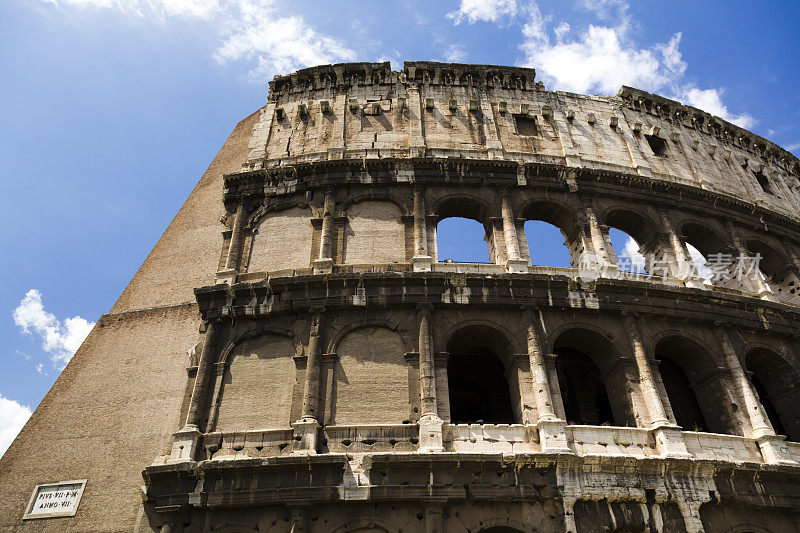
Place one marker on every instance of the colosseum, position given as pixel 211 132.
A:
pixel 295 355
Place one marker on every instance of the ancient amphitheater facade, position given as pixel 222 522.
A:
pixel 294 355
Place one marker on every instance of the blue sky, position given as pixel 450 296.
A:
pixel 112 109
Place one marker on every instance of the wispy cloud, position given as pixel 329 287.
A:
pixel 483 11
pixel 630 258
pixel 270 40
pixel 59 339
pixel 602 58
pixel 12 417
pixel 455 53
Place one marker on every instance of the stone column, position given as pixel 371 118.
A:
pixel 552 435
pixel 668 436
pixel 434 511
pixel 430 425
pixel 185 443
pixel 601 244
pixel 421 260
pixel 773 448
pixel 324 262
pixel 228 275
pixel 307 428
pixel 682 268
pixel 513 263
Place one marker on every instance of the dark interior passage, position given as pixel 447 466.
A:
pixel 769 407
pixel 582 389
pixel 478 389
pixel 684 403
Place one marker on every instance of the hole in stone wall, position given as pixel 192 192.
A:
pixel 681 397
pixel 657 144
pixel 526 125
pixel 546 244
pixel 582 389
pixel 764 182
pixel 476 376
pixel 461 239
pixel 627 250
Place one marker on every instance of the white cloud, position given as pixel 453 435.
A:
pixel 252 30
pixel 602 58
pixel 630 257
pixel 60 339
pixel 12 417
pixel 455 53
pixel 700 264
pixel 483 10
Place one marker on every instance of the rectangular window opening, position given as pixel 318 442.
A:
pixel 526 125
pixel 657 144
pixel 764 182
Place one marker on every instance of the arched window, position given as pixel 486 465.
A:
pixel 635 241
pixel 546 244
pixel 585 366
pixel 464 233
pixel 461 240
pixel 703 245
pixel 776 383
pixel 629 257
pixel 552 234
pixel 694 388
pixel 480 392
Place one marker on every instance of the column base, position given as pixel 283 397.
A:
pixel 422 263
pixel 306 435
pixel 323 266
pixel 768 296
pixel 430 434
pixel 553 436
pixel 185 445
pixel 517 266
pixel 669 442
pixel 227 276
pixel 774 450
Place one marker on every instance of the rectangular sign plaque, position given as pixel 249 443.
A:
pixel 50 500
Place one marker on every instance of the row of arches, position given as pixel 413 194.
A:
pixel 548 232
pixel 370 379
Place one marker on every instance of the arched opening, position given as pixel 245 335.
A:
pixel 775 381
pixel 771 263
pixel 634 239
pixel 629 257
pixel 461 240
pixel 681 396
pixel 696 393
pixel 477 377
pixel 500 529
pixel 552 235
pixel 583 356
pixel 704 244
pixel 463 233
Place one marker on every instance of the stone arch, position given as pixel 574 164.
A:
pixel 645 232
pixel 366 525
pixel 337 333
pixel 281 240
pixel 481 380
pixel 704 237
pixel 592 386
pixel 370 377
pixel 776 381
pixel 245 402
pixel 561 215
pixel 774 262
pixel 374 233
pixel 695 387
pixel 471 208
pixel 255 332
pixel 376 196
pixel 514 344
pixel 496 524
